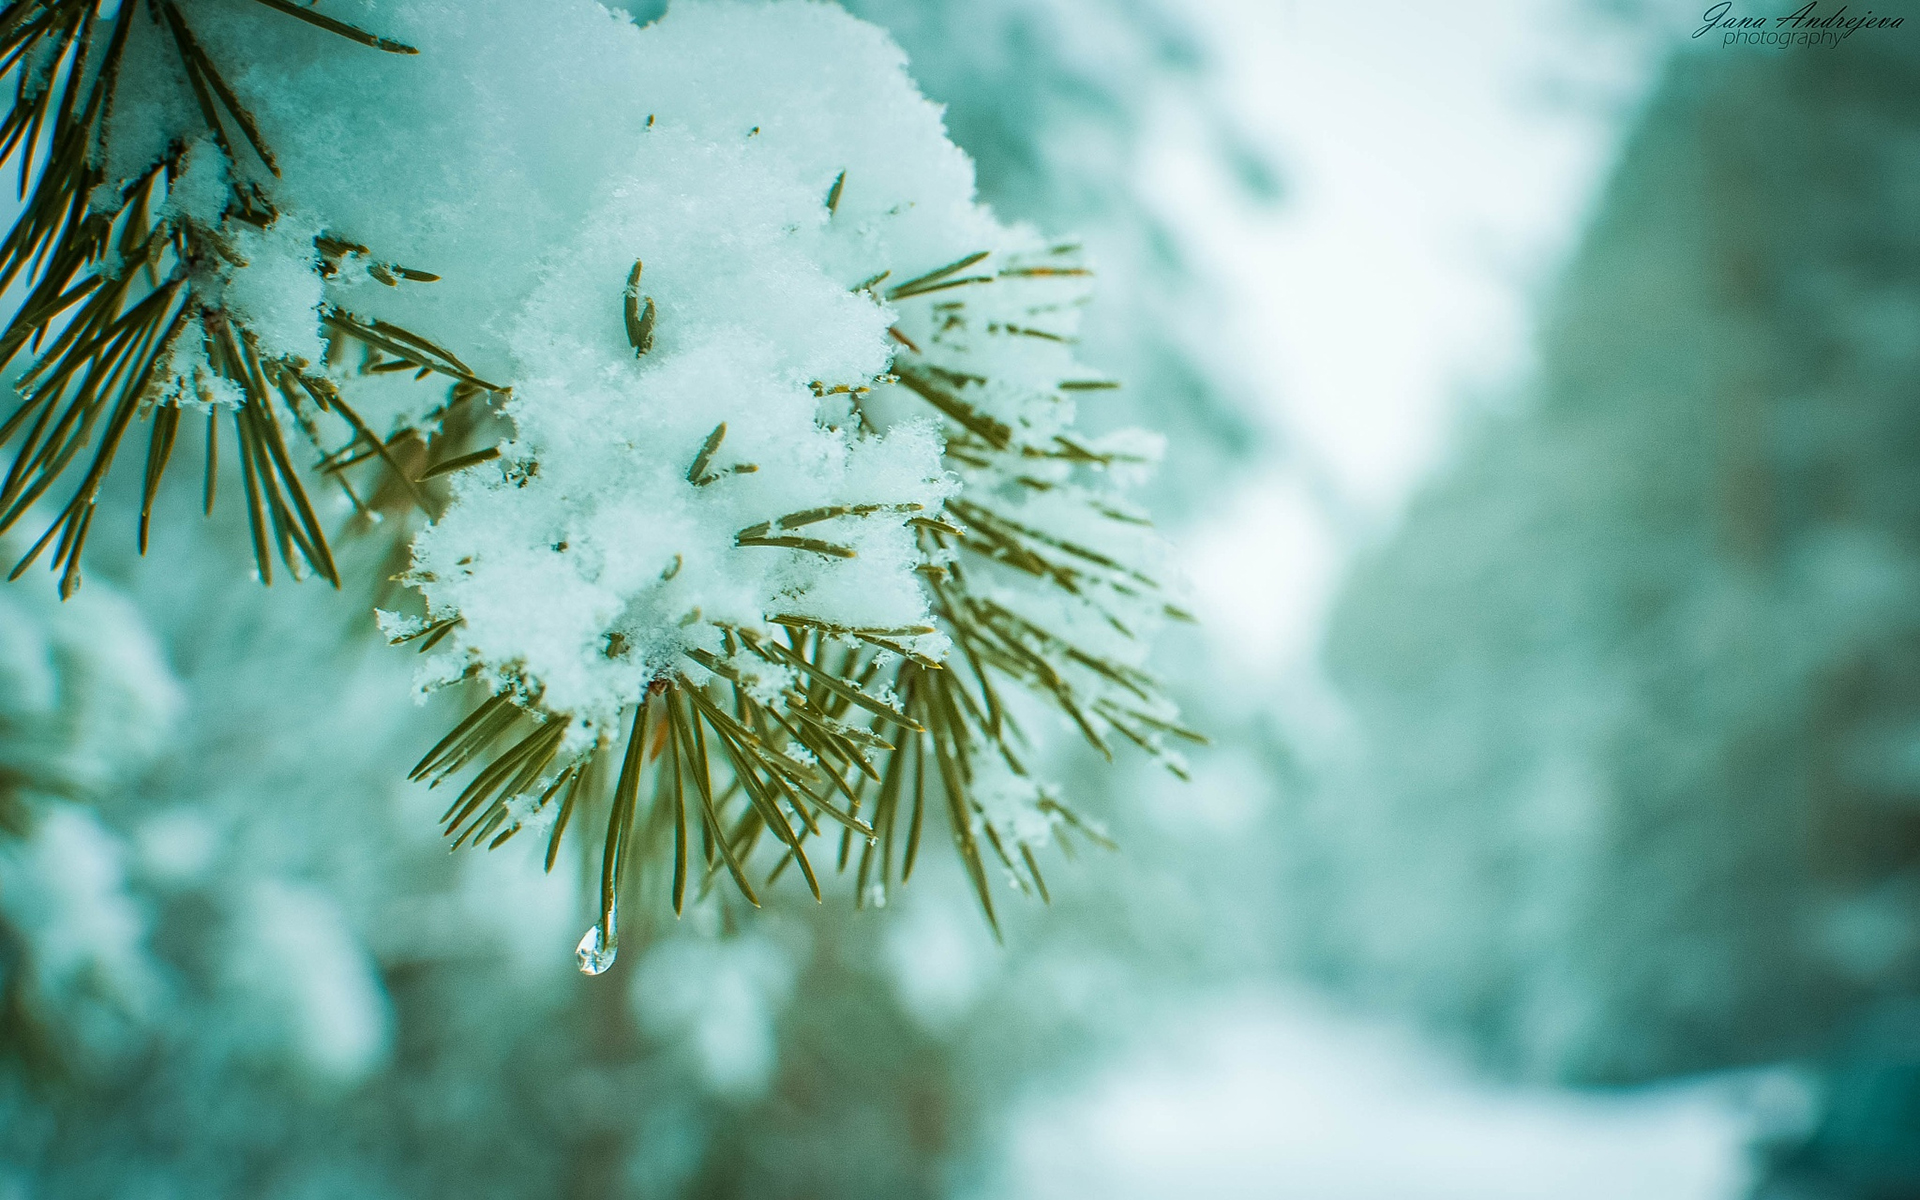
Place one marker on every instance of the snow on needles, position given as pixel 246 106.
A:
pixel 693 254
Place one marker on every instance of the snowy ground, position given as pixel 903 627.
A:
pixel 1276 1096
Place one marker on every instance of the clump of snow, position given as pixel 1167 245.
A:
pixel 198 190
pixel 191 382
pixel 719 1000
pixel 85 696
pixel 733 280
pixel 294 953
pixel 87 702
pixel 277 293
pixel 63 893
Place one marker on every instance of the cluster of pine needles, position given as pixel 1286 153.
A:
pixel 844 766
pixel 883 734
pixel 113 291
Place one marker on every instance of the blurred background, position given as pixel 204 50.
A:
pixel 1543 394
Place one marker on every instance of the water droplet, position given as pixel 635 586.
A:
pixel 877 895
pixel 596 950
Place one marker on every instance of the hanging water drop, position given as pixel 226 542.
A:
pixel 876 895
pixel 598 947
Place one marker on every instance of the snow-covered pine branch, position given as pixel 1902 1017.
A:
pixel 758 511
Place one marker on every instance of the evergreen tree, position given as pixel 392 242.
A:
pixel 283 948
pixel 601 568
pixel 1636 681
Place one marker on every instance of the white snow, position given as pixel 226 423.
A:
pixel 1275 1095
pixel 716 1001
pixel 563 171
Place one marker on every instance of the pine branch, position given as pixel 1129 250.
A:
pixel 121 288
pixel 871 734
pixel 799 727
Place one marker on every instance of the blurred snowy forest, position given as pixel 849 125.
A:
pixel 1613 778
pixel 1636 679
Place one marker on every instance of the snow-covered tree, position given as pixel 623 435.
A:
pixel 763 498
pixel 1637 684
pixel 254 922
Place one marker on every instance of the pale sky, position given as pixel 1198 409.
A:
pixel 1440 161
